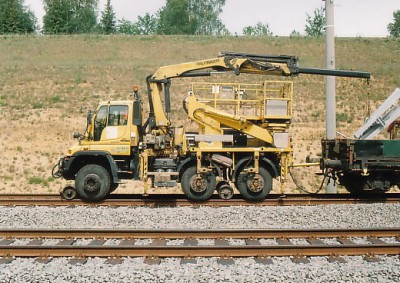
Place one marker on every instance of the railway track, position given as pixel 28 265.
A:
pixel 180 200
pixel 225 244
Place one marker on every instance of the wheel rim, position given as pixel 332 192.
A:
pixel 255 183
pixel 254 186
pixel 198 184
pixel 91 183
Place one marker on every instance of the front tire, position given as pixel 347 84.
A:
pixel 198 188
pixel 92 182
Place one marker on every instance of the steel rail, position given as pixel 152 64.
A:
pixel 199 251
pixel 180 200
pixel 197 234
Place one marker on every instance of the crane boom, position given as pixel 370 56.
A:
pixel 281 65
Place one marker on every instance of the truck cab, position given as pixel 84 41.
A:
pixel 106 152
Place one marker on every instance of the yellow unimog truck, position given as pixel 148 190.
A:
pixel 242 139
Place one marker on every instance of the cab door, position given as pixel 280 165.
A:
pixel 111 131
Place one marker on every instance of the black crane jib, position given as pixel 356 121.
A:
pixel 293 64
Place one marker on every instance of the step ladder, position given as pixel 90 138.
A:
pixel 386 114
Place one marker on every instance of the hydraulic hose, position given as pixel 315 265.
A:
pixel 299 187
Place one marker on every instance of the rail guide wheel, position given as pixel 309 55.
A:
pixel 225 191
pixel 69 192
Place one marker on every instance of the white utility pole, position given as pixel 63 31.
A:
pixel 330 86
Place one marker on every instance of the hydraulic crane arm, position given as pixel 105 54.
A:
pixel 238 63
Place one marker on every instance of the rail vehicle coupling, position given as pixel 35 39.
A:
pixel 57 170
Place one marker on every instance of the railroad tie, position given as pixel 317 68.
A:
pixel 263 260
pixel 35 242
pixel 372 258
pixel 226 260
pixel 77 260
pixel 113 260
pixel 252 242
pixel 66 242
pixel 127 242
pixel 221 242
pixel 97 242
pixel 6 242
pixel 300 259
pixel 376 241
pixel 314 241
pixel 190 242
pixel 283 241
pixel 43 259
pixel 336 258
pixel 188 260
pixel 152 260
pixel 158 242
pixel 346 241
pixel 6 259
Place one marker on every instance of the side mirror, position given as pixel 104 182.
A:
pixel 89 117
pixel 76 135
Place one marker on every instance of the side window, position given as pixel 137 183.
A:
pixel 100 122
pixel 118 116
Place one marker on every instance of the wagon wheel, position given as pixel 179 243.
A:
pixel 353 184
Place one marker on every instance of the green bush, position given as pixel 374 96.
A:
pixel 36 180
pixel 55 99
pixel 38 105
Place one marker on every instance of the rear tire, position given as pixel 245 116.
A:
pixel 92 182
pixel 198 189
pixel 254 187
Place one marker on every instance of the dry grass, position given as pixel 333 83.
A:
pixel 48 83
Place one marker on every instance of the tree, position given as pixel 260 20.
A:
pixel 174 18
pixel 294 33
pixel 16 18
pixel 84 16
pixel 57 17
pixel 107 22
pixel 191 17
pixel 316 25
pixel 126 27
pixel 146 24
pixel 259 29
pixel 394 28
pixel 70 16
pixel 205 14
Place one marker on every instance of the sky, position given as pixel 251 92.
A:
pixel 353 18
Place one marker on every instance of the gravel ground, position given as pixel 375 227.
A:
pixel 205 269
pixel 325 216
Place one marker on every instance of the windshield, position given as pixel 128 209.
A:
pixel 100 121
